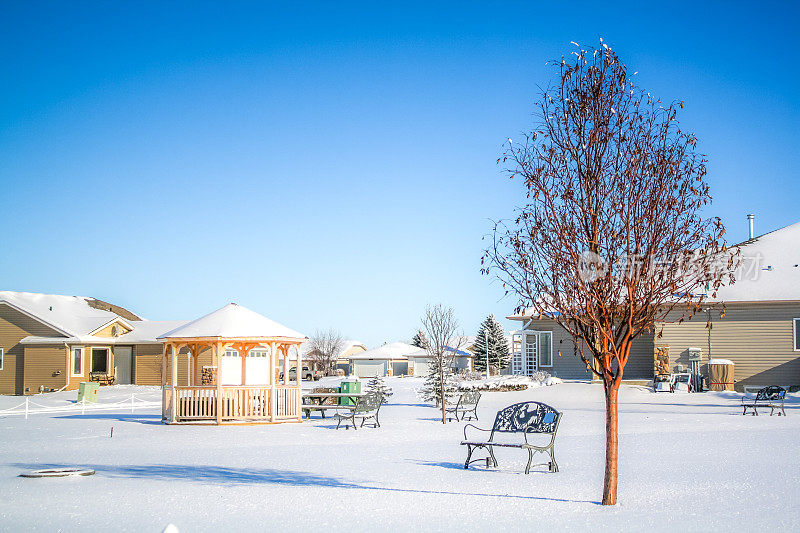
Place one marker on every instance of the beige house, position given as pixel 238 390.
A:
pixel 391 359
pixel 461 355
pixel 349 347
pixel 54 342
pixel 755 323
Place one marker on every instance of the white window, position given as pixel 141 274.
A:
pixel 796 324
pixel 546 349
pixel 1 359
pixel 76 366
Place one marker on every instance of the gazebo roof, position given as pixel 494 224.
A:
pixel 232 322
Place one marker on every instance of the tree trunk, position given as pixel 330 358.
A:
pixel 610 480
pixel 441 383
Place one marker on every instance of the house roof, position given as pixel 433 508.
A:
pixel 306 348
pixel 234 322
pixel 770 269
pixel 393 350
pixel 69 315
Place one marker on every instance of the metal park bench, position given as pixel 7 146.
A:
pixel 518 421
pixel 772 397
pixel 366 408
pixel 467 404
pixel 101 377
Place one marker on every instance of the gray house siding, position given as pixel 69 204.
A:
pixel 567 364
pixel 757 337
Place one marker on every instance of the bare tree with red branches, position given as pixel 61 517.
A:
pixel 612 236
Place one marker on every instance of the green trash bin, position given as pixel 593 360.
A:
pixel 87 392
pixel 349 385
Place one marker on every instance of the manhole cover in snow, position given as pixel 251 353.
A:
pixel 58 472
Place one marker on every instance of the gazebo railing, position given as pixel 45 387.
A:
pixel 251 402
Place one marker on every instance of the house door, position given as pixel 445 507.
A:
pixel 537 352
pixel 122 364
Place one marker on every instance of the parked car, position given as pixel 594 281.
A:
pixel 308 374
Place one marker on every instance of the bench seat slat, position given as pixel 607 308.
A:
pixel 505 445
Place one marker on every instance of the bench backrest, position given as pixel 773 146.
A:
pixel 369 402
pixel 772 392
pixel 526 417
pixel 470 398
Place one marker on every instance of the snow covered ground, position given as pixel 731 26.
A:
pixel 687 462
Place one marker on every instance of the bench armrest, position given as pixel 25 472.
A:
pixel 473 426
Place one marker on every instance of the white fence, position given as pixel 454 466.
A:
pixel 29 407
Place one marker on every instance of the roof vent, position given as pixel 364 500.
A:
pixel 751 217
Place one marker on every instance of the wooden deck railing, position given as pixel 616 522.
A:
pixel 252 402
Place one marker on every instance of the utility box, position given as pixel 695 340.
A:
pixel 87 392
pixel 349 385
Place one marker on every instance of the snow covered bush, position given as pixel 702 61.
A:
pixel 510 383
pixel 378 385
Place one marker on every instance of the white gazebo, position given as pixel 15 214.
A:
pixel 242 382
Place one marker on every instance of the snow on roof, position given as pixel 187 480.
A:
pixel 148 331
pixel 346 345
pixel 232 321
pixel 393 350
pixel 771 268
pixel 144 332
pixel 69 315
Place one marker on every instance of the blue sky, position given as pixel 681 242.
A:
pixel 333 165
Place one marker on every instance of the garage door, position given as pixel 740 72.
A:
pixel 231 372
pixel 369 369
pixel 421 366
pixel 257 369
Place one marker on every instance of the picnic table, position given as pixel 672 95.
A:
pixel 315 401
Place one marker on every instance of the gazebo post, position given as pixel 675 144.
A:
pixel 217 353
pixel 299 383
pixel 286 367
pixel 243 356
pixel 174 383
pixel 164 381
pixel 273 400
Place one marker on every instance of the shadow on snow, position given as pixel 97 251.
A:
pixel 241 476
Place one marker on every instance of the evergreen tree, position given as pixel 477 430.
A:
pixel 499 354
pixel 377 384
pixel 438 373
pixel 419 340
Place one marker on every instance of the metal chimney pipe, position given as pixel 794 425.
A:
pixel 750 218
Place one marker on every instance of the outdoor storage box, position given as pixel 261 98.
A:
pixel 87 391
pixel 349 386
